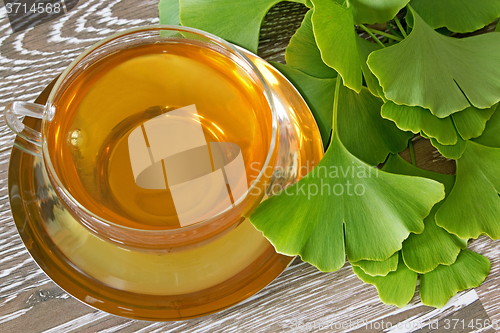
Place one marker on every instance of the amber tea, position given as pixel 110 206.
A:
pixel 160 136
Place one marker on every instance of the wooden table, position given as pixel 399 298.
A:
pixel 302 299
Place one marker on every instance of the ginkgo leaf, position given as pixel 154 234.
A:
pixel 378 268
pixel 363 131
pixel 333 21
pixel 434 246
pixel 471 122
pixel 449 151
pixel 318 93
pixel 169 12
pixel 303 54
pixel 396 164
pixel 438 286
pixel 490 136
pixel 376 210
pixel 307 218
pixel 417 119
pixel 236 21
pixel 473 206
pixel 333 26
pixel 366 47
pixel 391 226
pixel 371 12
pixel 439 73
pixel 457 15
pixel 396 288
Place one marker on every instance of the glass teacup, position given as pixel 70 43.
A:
pixel 159 138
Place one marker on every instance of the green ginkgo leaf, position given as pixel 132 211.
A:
pixel 439 73
pixel 333 26
pixel 366 47
pixel 333 21
pixel 363 131
pixel 450 151
pixel 318 93
pixel 436 287
pixel 308 218
pixel 371 12
pixel 378 268
pixel 471 122
pixel 303 54
pixel 490 136
pixel 457 15
pixel 417 119
pixel 434 246
pixel 236 21
pixel 169 12
pixel 473 206
pixel 396 288
pixel 469 271
pixel 311 217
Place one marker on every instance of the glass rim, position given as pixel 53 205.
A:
pixel 157 27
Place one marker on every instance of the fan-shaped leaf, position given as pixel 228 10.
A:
pixel 396 288
pixel 366 47
pixel 471 122
pixel 378 268
pixel 303 54
pixel 318 93
pixel 334 22
pixel 363 131
pixel 434 246
pixel 450 151
pixel 439 73
pixel 236 21
pixel 417 119
pixel 393 206
pixel 169 12
pixel 473 206
pixel 490 136
pixel 308 218
pixel 469 271
pixel 457 15
pixel 371 12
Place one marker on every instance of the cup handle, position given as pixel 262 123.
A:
pixel 31 136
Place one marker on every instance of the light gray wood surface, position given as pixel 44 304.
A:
pixel 302 299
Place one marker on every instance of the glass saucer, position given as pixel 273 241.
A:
pixel 149 286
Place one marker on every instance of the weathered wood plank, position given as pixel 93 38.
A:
pixel 302 296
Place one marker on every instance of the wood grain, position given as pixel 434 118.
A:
pixel 302 299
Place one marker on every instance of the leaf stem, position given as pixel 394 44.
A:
pixel 368 31
pixel 412 153
pixel 382 33
pixel 400 27
pixel 336 104
pixel 385 34
pixel 393 31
